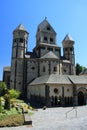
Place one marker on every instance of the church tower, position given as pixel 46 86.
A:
pixel 45 33
pixel 46 39
pixel 68 51
pixel 19 48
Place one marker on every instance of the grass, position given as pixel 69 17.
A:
pixel 11 120
pixel 30 113
pixel 14 117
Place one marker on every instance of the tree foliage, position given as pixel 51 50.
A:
pixel 10 95
pixel 79 69
pixel 0 105
pixel 3 88
pixel 13 93
pixel 7 103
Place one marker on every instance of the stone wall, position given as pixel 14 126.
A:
pixel 32 70
pixel 36 90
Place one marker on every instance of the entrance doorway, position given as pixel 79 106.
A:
pixel 81 98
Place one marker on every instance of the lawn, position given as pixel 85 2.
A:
pixel 14 116
pixel 11 108
pixel 11 118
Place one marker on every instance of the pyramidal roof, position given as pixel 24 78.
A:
pixel 68 38
pixel 44 24
pixel 49 55
pixel 21 27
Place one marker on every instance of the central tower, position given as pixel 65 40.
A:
pixel 46 39
pixel 45 33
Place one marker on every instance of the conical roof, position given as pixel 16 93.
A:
pixel 21 27
pixel 68 38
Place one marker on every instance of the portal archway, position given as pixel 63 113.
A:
pixel 81 99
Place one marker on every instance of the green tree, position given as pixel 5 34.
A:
pixel 10 95
pixel 3 88
pixel 79 69
pixel 7 102
pixel 13 93
pixel 0 105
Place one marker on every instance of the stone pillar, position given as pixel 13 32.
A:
pixel 48 100
pixel 63 102
pixel 75 96
pixel 85 98
pixel 75 100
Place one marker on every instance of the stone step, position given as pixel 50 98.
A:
pixel 27 119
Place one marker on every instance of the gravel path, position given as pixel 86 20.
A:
pixel 56 119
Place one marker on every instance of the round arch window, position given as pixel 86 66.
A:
pixel 55 90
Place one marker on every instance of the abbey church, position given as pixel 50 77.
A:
pixel 44 76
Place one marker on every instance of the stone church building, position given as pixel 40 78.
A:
pixel 44 76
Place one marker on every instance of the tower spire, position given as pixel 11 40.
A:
pixel 45 18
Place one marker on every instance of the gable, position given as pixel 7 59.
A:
pixel 45 26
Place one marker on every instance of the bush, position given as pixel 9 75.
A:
pixel 11 120
pixel 7 103
pixel 0 105
pixel 3 88
pixel 13 93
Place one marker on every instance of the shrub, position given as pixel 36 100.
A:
pixel 13 93
pixel 3 88
pixel 7 103
pixel 11 120
pixel 0 105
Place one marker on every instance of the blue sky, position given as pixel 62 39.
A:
pixel 65 16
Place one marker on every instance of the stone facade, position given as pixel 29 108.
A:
pixel 43 74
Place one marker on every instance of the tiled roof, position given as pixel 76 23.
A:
pixel 21 27
pixel 66 61
pixel 50 45
pixel 53 78
pixel 44 24
pixel 78 79
pixel 49 55
pixel 68 38
pixel 31 55
pixel 7 68
pixel 60 79
pixel 84 72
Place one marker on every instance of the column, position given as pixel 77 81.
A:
pixel 47 97
pixel 63 102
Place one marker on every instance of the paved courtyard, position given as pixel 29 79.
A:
pixel 68 118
